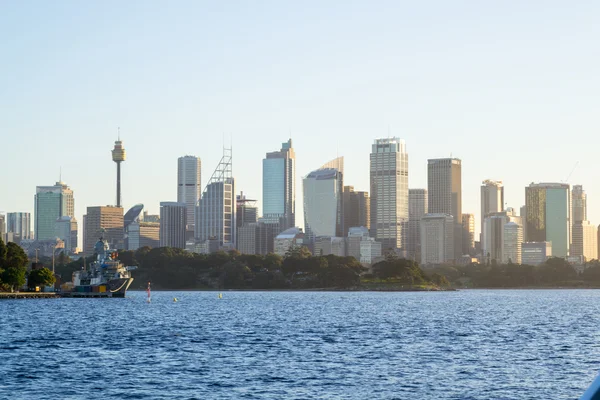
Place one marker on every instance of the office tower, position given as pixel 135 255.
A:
pixel 417 207
pixel 173 221
pixel 2 225
pixel 189 185
pixel 143 234
pixel 389 192
pixel 468 233
pixel 131 226
pixel 50 203
pixel 65 229
pixel 248 238
pixel 357 209
pixel 279 186
pixel 585 240
pixel 579 204
pixel 18 223
pixel 106 222
pixel 513 238
pixel 523 215
pixel 246 211
pixel 323 203
pixel 548 207
pixel 288 240
pixel 370 251
pixel 355 236
pixel 437 238
pixel 535 253
pixel 215 216
pixel 493 234
pixel 445 193
pixel 118 156
pixel 492 199
pixel 326 245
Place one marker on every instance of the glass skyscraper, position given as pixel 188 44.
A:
pixel 279 187
pixel 19 223
pixel 189 185
pixel 389 193
pixel 51 203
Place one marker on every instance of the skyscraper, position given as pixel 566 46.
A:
pixel 389 192
pixel 51 203
pixel 246 211
pixel 118 156
pixel 105 221
pixel 468 233
pixel 19 223
pixel 66 230
pixel 215 215
pixel 513 240
pixel 585 240
pixel 444 182
pixel 548 207
pixel 323 213
pixel 189 185
pixel 357 209
pixel 437 238
pixel 492 199
pixel 173 221
pixel 279 186
pixel 579 203
pixel 2 226
pixel 417 207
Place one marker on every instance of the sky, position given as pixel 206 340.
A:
pixel 511 88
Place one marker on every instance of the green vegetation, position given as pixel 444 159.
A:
pixel 171 268
pixel 40 277
pixel 556 272
pixel 13 266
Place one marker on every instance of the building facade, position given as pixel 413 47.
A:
pixel 323 206
pixel 326 245
pixel 189 174
pixel 579 204
pixel 370 251
pixel 279 186
pixel 492 199
pixel 173 223
pixel 105 221
pixel 437 239
pixel 585 240
pixel 535 253
pixel 288 240
pixel 355 236
pixel 548 207
pixel 246 211
pixel 417 207
pixel 66 230
pixel 389 193
pixel 513 239
pixel 444 184
pixel 357 209
pixel 51 203
pixel 468 233
pixel 19 223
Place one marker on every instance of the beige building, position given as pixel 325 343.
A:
pixel 513 239
pixel 357 209
pixel 437 239
pixel 468 233
pixel 106 221
pixel 585 240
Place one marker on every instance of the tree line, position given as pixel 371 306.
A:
pixel 13 269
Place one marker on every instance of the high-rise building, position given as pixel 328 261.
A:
pixel 579 204
pixel 444 182
pixel 143 234
pixel 326 245
pixel 437 238
pixel 248 237
pixel 65 229
pixel 19 223
pixel 492 199
pixel 105 221
pixel 468 233
pixel 2 225
pixel 493 234
pixel 51 203
pixel 323 206
pixel 355 236
pixel 173 222
pixel 370 250
pixel 246 211
pixel 513 239
pixel 357 209
pixel 279 186
pixel 189 185
pixel 118 156
pixel 548 207
pixel 417 207
pixel 215 215
pixel 585 240
pixel 535 253
pixel 389 193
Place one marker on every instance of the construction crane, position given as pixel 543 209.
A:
pixel 571 173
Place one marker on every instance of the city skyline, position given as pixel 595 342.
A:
pixel 513 84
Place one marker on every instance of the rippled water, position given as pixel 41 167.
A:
pixel 520 344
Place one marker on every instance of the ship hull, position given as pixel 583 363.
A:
pixel 112 288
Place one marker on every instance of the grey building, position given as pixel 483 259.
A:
pixel 417 207
pixel 51 203
pixel 437 239
pixel 492 199
pixel 389 193
pixel 535 253
pixel 323 205
pixel 444 183
pixel 357 209
pixel 19 223
pixel 189 174
pixel 173 222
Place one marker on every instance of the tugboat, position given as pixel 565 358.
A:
pixel 106 276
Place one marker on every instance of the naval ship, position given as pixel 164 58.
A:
pixel 105 277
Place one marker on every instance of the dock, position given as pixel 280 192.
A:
pixel 27 295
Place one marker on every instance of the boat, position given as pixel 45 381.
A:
pixel 105 277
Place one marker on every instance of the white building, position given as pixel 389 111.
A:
pixel 189 185
pixel 535 253
pixel 288 240
pixel 389 192
pixel 19 223
pixel 585 240
pixel 513 238
pixel 437 239
pixel 355 236
pixel 370 250
pixel 325 245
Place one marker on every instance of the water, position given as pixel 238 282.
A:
pixel 487 344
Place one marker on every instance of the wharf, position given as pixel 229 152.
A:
pixel 27 295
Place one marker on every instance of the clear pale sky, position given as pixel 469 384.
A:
pixel 512 88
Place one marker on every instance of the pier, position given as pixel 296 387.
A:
pixel 27 295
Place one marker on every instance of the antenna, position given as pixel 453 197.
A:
pixel 60 174
pixel 119 133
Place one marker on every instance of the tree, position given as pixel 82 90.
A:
pixel 2 253
pixel 14 277
pixel 15 257
pixel 40 277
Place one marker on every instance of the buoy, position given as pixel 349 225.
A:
pixel 174 299
pixel 220 295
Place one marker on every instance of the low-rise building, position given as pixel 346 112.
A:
pixel 535 253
